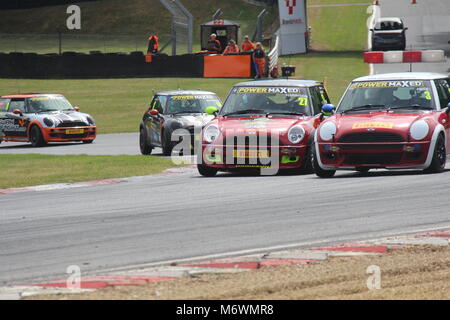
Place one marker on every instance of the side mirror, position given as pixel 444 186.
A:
pixel 76 109
pixel 448 109
pixel 371 30
pixel 328 109
pixel 18 112
pixel 211 110
pixel 154 112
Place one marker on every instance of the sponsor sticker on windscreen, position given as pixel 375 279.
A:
pixel 272 90
pixel 193 97
pixel 387 84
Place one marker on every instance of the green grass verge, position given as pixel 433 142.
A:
pixel 36 169
pixel 116 104
pixel 338 28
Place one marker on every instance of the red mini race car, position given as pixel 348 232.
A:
pixel 43 118
pixel 392 121
pixel 264 124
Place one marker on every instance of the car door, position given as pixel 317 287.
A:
pixel 443 90
pixel 11 124
pixel 154 122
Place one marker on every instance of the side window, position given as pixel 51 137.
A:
pixel 319 98
pixel 156 104
pixel 4 105
pixel 443 89
pixel 17 104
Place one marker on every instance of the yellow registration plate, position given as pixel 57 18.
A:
pixel 74 131
pixel 251 153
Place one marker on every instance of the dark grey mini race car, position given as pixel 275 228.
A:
pixel 172 110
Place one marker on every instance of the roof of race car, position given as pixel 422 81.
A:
pixel 29 95
pixel 278 83
pixel 396 19
pixel 184 92
pixel 403 76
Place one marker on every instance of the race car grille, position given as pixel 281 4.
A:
pixel 256 140
pixel 371 158
pixel 363 137
pixel 66 124
pixel 370 146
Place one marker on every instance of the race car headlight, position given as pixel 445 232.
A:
pixel 296 134
pixel 211 133
pixel 327 131
pixel 48 122
pixel 90 120
pixel 419 130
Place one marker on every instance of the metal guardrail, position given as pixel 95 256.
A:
pixel 273 55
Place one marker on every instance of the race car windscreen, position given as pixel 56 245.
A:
pixel 416 94
pixel 267 100
pixel 48 103
pixel 191 103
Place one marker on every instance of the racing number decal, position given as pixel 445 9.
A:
pixel 427 95
pixel 302 101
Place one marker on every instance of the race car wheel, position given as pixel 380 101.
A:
pixel 88 141
pixel 166 144
pixel 439 157
pixel 36 138
pixel 306 167
pixel 206 171
pixel 146 149
pixel 319 171
pixel 362 170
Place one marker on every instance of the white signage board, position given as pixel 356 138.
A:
pixel 292 26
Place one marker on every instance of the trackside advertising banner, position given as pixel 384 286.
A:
pixel 293 25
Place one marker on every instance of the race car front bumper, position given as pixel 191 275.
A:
pixel 69 134
pixel 242 156
pixel 373 155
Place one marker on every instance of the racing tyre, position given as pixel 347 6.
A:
pixel 88 141
pixel 166 144
pixel 306 167
pixel 362 170
pixel 319 171
pixel 206 171
pixel 439 157
pixel 36 138
pixel 146 149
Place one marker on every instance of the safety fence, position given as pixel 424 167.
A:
pixel 60 42
pixel 22 4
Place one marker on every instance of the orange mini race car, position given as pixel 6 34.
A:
pixel 43 118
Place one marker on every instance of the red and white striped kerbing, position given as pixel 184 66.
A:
pixel 411 56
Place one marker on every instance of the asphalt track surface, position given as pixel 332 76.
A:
pixel 162 218
pixel 428 24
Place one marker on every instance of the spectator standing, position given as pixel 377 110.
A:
pixel 247 45
pixel 213 46
pixel 259 58
pixel 153 46
pixel 231 47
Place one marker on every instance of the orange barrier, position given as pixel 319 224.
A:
pixel 232 66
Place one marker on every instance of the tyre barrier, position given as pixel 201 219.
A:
pixel 75 65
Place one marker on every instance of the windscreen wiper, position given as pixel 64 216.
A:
pixel 414 106
pixel 245 111
pixel 364 107
pixel 286 112
pixel 187 111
